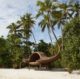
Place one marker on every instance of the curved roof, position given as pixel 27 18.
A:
pixel 38 58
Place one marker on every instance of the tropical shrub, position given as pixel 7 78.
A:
pixel 71 54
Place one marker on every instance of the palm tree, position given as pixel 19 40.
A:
pixel 13 28
pixel 30 23
pixel 26 23
pixel 58 14
pixel 45 24
pixel 60 17
pixel 44 7
pixel 64 15
pixel 45 10
pixel 75 7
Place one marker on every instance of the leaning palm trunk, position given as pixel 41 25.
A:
pixel 54 35
pixel 50 36
pixel 34 40
pixel 34 37
pixel 56 40
pixel 62 38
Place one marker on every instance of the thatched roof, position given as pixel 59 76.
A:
pixel 38 58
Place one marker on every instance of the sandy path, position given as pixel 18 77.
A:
pixel 32 74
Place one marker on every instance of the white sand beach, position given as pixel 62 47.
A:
pixel 36 74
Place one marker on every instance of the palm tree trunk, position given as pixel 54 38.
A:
pixel 56 40
pixel 50 36
pixel 34 40
pixel 62 38
pixel 49 29
pixel 34 37
pixel 54 35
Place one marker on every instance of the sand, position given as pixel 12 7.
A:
pixel 36 74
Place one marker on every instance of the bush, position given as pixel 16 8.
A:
pixel 70 57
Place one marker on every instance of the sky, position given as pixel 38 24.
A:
pixel 12 10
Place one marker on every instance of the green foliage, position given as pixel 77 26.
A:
pixel 43 47
pixel 71 53
pixel 4 53
pixel 2 45
pixel 15 49
pixel 18 39
pixel 27 50
pixel 56 64
pixel 26 23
